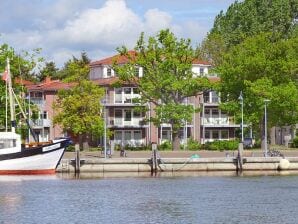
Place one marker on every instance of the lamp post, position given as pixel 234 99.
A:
pixel 241 102
pixel 265 146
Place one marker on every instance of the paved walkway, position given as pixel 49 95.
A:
pixel 179 154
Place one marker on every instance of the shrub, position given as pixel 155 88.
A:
pixel 222 145
pixel 165 146
pixel 193 145
pixel 295 142
pixel 70 148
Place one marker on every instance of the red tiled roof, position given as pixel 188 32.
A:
pixel 23 82
pixel 52 85
pixel 109 81
pixel 200 62
pixel 121 59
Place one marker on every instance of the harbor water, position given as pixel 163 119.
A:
pixel 147 199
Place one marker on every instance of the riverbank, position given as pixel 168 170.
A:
pixel 169 161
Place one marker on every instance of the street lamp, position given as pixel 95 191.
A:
pixel 241 102
pixel 265 147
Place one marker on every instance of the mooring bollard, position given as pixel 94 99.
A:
pixel 154 158
pixel 239 157
pixel 77 159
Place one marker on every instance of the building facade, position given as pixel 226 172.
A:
pixel 43 95
pixel 128 125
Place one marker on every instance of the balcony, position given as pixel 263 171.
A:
pixel 131 142
pixel 39 101
pixel 211 100
pixel 217 121
pixel 40 123
pixel 120 122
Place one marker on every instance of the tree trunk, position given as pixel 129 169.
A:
pixel 81 141
pixel 176 141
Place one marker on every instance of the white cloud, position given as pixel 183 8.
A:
pixel 66 28
pixel 156 20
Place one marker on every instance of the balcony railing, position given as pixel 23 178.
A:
pixel 207 99
pixel 37 100
pixel 40 123
pixel 136 122
pixel 217 121
pixel 131 142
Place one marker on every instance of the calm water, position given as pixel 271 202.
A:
pixel 192 199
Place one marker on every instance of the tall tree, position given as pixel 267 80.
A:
pixel 68 70
pixel 79 109
pixel 261 69
pixel 167 78
pixel 247 18
pixel 49 70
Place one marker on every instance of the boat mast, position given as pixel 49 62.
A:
pixel 11 99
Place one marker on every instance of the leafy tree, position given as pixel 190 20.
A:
pixel 248 18
pixel 49 70
pixel 21 66
pixel 79 107
pixel 71 65
pixel 167 80
pixel 261 69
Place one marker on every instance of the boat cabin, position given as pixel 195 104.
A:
pixel 9 142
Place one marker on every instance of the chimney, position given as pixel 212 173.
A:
pixel 48 79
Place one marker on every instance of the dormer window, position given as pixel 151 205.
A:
pixel 136 72
pixel 201 71
pixel 109 72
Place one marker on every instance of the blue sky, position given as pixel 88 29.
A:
pixel 63 28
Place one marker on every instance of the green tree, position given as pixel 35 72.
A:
pixel 261 69
pixel 79 108
pixel 248 18
pixel 21 66
pixel 49 70
pixel 70 67
pixel 167 78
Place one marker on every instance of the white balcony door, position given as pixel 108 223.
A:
pixel 128 137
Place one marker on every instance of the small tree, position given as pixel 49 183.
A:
pixel 79 109
pixel 167 78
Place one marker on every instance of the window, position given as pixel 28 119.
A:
pixel 109 72
pixel 127 90
pixel 127 115
pixel 7 143
pixel 215 98
pixel 118 95
pixel 201 71
pixel 207 111
pixel 136 71
pixel 166 134
pixel 127 135
pixel 215 134
pixel 45 115
pixel 215 112
pixel 224 134
pixel 118 113
pixel 118 135
pixel 137 135
pixel 207 134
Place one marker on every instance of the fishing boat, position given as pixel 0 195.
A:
pixel 31 158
